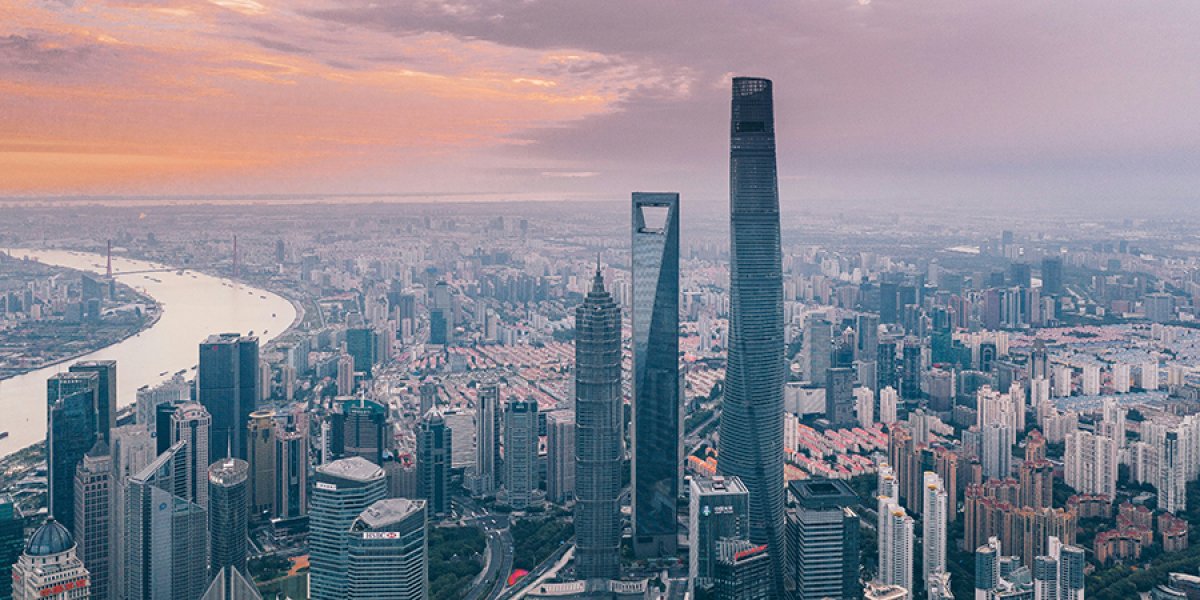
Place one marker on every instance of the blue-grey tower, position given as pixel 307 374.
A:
pixel 751 444
pixel 599 418
pixel 657 426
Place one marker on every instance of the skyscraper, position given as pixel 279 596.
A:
pixel 342 491
pixel 839 397
pixel 895 544
pixel 229 388
pixel 291 471
pixel 192 424
pixel 227 513
pixel 520 451
pixel 599 421
pixel 231 584
pixel 165 532
pixel 1090 463
pixel 12 542
pixel 823 532
pixel 1058 575
pixel 388 552
pixel 106 398
pixel 360 429
pixel 50 568
pixel 434 445
pixel 933 526
pixel 818 348
pixel 560 456
pixel 718 508
pixel 487 439
pixel 260 456
pixel 72 413
pixel 362 344
pixel 133 447
pixel 743 571
pixel 93 515
pixel 657 400
pixel 751 442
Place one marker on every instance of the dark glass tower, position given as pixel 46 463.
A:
pixel 657 427
pixel 751 443
pixel 598 437
pixel 228 384
pixel 228 503
pixel 72 414
pixel 106 400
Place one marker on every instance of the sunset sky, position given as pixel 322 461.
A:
pixel 891 101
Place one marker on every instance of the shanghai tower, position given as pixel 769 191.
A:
pixel 751 442
pixel 599 416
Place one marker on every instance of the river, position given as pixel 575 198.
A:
pixel 194 305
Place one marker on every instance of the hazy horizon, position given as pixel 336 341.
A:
pixel 1019 104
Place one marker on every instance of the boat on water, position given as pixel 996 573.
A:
pixel 3 434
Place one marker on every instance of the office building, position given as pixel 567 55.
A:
pixel 657 395
pixel 1052 275
pixel 895 544
pixel 839 397
pixel 72 414
pixel 388 553
pixel 520 451
pixel 133 447
pixel 434 445
pixel 718 508
pixel 934 523
pixel 49 568
pixel 291 471
pixel 560 456
pixel 176 390
pixel 362 344
pixel 165 532
pixel 93 516
pixel 229 387
pixel 231 584
pixel 599 437
pixel 342 490
pixel 12 542
pixel 818 348
pixel 487 439
pixel 228 483
pixel 360 428
pixel 751 436
pixel 106 397
pixel 743 571
pixel 910 384
pixel 823 533
pixel 260 456
pixel 193 425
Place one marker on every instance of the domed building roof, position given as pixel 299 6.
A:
pixel 51 538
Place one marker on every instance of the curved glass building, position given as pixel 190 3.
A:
pixel 751 443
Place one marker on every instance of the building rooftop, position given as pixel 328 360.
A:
pixel 720 485
pixel 389 512
pixel 51 538
pixel 821 494
pixel 355 468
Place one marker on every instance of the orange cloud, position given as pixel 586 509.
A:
pixel 190 95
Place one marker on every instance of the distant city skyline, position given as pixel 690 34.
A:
pixel 1025 103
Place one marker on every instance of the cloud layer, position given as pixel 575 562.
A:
pixel 883 101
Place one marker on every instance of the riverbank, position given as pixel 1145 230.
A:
pixel 193 305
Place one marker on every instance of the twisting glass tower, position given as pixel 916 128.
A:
pixel 751 443
pixel 598 437
pixel 656 401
